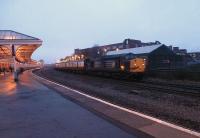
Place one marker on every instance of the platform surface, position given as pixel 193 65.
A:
pixel 29 109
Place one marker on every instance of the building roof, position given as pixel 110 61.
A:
pixel 116 44
pixel 24 44
pixel 137 50
pixel 12 35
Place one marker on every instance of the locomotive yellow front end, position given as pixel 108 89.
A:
pixel 138 65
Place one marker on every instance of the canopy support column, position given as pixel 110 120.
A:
pixel 15 66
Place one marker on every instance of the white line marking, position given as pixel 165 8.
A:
pixel 125 109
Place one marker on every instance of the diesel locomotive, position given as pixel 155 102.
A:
pixel 122 65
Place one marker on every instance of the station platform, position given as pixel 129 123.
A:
pixel 30 109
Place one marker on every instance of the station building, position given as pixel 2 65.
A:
pixel 98 51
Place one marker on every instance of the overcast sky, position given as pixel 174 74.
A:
pixel 64 25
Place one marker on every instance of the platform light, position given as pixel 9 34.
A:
pixel 82 56
pixel 75 56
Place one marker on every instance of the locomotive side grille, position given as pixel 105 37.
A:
pixel 109 64
pixel 97 64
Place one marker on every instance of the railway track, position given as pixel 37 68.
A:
pixel 163 88
pixel 157 87
pixel 169 89
pixel 182 86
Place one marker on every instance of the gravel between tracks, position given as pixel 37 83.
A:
pixel 177 109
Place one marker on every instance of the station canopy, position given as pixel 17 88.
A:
pixel 24 45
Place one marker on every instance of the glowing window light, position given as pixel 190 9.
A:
pixel 9 37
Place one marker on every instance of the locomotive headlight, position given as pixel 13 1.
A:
pixel 122 67
pixel 135 64
pixel 143 64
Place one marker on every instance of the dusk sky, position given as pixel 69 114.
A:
pixel 64 25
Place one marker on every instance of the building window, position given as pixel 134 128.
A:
pixel 114 47
pixel 121 46
pixel 126 42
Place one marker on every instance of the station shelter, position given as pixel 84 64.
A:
pixel 16 49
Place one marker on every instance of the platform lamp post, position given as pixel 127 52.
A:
pixel 15 67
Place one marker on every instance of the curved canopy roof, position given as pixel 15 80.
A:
pixel 24 45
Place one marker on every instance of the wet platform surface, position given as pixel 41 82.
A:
pixel 30 109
